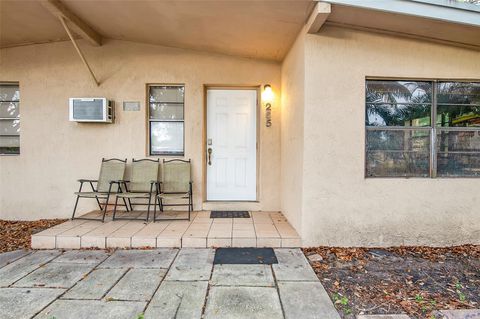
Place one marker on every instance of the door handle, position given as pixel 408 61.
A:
pixel 209 156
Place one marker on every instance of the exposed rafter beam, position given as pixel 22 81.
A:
pixel 80 27
pixel 62 20
pixel 318 17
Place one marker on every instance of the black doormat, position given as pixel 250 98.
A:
pixel 229 214
pixel 245 256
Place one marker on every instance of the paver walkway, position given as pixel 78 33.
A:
pixel 161 283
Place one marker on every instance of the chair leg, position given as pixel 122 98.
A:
pixel 126 206
pixel 155 209
pixel 161 205
pixel 190 206
pixel 98 202
pixel 105 208
pixel 130 203
pixel 75 207
pixel 115 208
pixel 148 208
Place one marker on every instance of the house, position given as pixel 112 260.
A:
pixel 367 133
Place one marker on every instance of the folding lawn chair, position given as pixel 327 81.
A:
pixel 111 171
pixel 142 185
pixel 176 184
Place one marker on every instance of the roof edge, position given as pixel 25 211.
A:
pixel 445 10
pixel 451 4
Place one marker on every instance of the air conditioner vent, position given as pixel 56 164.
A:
pixel 97 110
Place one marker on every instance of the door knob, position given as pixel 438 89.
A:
pixel 209 156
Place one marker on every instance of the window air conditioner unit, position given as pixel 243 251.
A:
pixel 96 109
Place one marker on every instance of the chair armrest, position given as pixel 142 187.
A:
pixel 87 180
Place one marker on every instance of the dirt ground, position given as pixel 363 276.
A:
pixel 413 280
pixel 16 234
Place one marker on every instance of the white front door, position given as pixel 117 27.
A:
pixel 231 145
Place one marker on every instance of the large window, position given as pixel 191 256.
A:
pixel 166 119
pixel 9 119
pixel 402 140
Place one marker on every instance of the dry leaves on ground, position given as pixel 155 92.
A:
pixel 17 234
pixel 413 280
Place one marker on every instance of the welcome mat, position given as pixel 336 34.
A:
pixel 229 214
pixel 245 256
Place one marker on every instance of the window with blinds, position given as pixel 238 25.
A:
pixel 9 119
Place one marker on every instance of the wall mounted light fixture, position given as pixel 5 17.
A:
pixel 267 94
pixel 267 98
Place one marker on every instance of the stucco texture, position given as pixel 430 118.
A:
pixel 340 206
pixel 292 137
pixel 39 183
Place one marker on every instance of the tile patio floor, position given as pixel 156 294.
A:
pixel 263 229
pixel 161 283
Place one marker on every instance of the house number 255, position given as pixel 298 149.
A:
pixel 268 115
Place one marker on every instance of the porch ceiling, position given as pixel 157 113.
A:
pixel 251 28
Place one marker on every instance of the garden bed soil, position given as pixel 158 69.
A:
pixel 17 234
pixel 417 281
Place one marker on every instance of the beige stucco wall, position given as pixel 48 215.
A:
pixel 311 161
pixel 292 137
pixel 55 152
pixel 340 206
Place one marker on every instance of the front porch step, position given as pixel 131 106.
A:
pixel 263 229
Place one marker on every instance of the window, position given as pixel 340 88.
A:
pixel 166 119
pixel 9 119
pixel 402 140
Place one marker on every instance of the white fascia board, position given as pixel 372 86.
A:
pixel 428 9
pixel 452 4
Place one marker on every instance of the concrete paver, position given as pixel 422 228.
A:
pixel 192 264
pixel 242 275
pixel 159 258
pixel 460 314
pixel 243 302
pixel 178 299
pixel 137 285
pixel 165 283
pixel 11 256
pixel 83 256
pixel 55 275
pixel 293 266
pixel 20 268
pixel 19 303
pixel 88 309
pixel 306 300
pixel 96 284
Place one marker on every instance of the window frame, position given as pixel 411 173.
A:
pixel 433 128
pixel 149 120
pixel 17 84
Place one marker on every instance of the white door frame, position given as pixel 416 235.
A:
pixel 206 88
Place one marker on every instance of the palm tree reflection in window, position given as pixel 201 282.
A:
pixel 398 152
pixel 408 104
pixel 458 106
